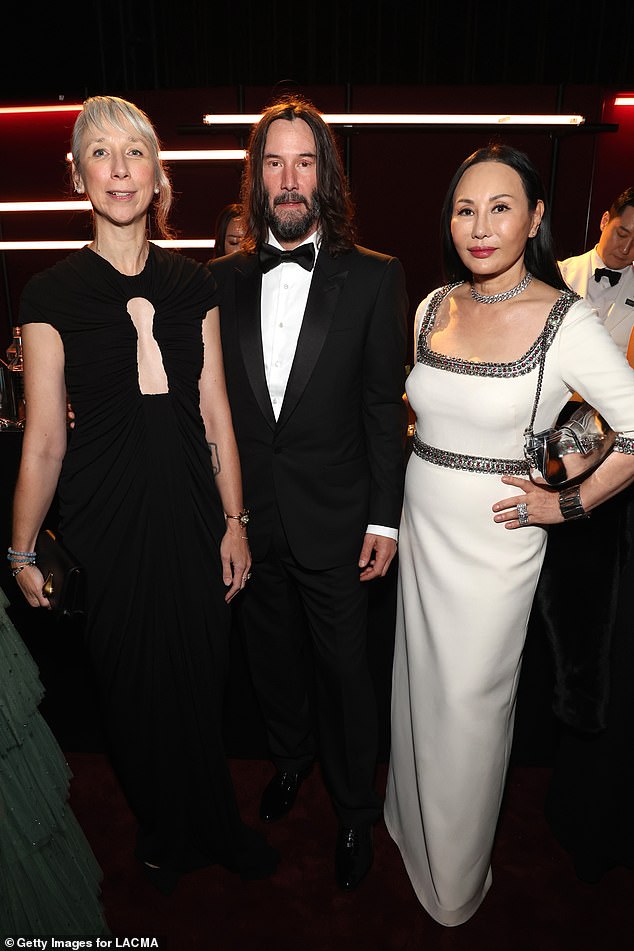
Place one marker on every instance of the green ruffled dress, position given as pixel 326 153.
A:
pixel 49 877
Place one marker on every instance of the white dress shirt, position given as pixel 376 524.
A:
pixel 284 294
pixel 283 300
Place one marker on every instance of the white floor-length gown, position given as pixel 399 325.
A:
pixel 466 584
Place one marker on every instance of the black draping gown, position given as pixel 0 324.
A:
pixel 140 511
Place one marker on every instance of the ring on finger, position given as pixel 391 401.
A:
pixel 522 513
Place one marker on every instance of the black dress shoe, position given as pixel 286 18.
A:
pixel 163 877
pixel 590 868
pixel 279 796
pixel 353 858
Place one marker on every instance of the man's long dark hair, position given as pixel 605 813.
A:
pixel 539 256
pixel 336 213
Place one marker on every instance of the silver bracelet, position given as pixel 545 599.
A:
pixel 570 503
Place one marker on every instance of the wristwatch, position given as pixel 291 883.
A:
pixel 242 517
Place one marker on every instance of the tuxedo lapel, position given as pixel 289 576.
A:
pixel 248 297
pixel 585 276
pixel 582 274
pixel 620 310
pixel 326 285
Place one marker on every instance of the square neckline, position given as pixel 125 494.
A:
pixel 522 364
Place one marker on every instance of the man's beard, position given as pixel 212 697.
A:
pixel 295 226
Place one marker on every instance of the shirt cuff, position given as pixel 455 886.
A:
pixel 382 530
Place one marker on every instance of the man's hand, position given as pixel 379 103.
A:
pixel 376 556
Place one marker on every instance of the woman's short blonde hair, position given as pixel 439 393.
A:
pixel 101 111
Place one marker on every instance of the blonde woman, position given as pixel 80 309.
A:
pixel 149 492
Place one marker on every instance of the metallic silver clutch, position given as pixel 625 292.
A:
pixel 570 450
pixel 564 454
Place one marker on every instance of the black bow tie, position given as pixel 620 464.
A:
pixel 271 256
pixel 613 276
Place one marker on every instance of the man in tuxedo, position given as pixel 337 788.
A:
pixel 604 275
pixel 314 339
pixel 586 805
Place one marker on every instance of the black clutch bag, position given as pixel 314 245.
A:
pixel 63 577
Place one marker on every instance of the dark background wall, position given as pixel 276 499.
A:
pixel 180 60
pixel 161 44
pixel 398 178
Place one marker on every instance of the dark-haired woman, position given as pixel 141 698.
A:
pixel 470 550
pixel 229 230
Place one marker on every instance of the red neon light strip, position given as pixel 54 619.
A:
pixel 16 110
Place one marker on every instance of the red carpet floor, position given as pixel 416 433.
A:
pixel 535 903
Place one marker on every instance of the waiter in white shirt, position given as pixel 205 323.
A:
pixel 604 275
pixel 588 803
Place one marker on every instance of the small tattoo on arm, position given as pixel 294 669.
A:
pixel 215 458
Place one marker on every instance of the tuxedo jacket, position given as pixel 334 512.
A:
pixel 577 272
pixel 334 460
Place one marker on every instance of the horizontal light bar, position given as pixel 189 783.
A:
pixel 194 155
pixel 16 110
pixel 45 206
pixel 624 101
pixel 185 242
pixel 40 245
pixel 404 119
pixel 203 155
pixel 74 245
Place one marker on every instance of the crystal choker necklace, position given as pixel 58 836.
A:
pixel 505 295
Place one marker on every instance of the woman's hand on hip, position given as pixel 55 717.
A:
pixel 531 506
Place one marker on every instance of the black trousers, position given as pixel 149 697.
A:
pixel 286 609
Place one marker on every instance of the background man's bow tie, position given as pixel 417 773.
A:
pixel 271 256
pixel 613 276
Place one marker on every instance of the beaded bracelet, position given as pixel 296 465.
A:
pixel 13 555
